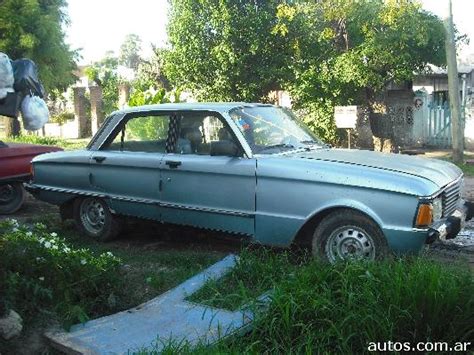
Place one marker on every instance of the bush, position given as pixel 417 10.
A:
pixel 62 118
pixel 40 271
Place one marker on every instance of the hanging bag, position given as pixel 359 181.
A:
pixel 34 113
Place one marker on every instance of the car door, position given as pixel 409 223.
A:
pixel 206 190
pixel 127 168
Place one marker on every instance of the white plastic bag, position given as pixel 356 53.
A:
pixel 6 76
pixel 34 113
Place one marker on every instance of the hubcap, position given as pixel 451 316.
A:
pixel 92 215
pixel 7 193
pixel 350 242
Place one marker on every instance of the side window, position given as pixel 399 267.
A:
pixel 198 132
pixel 142 134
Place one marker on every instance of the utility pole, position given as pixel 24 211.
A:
pixel 453 85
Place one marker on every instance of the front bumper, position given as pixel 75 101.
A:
pixel 448 228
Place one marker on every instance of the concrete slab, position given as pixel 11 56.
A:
pixel 165 318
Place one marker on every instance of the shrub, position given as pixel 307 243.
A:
pixel 62 118
pixel 39 270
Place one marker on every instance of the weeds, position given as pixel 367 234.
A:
pixel 40 270
pixel 320 308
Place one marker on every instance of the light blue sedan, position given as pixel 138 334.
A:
pixel 252 170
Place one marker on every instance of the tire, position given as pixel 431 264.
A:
pixel 93 218
pixel 12 197
pixel 347 235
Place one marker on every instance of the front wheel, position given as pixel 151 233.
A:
pixel 93 218
pixel 348 235
pixel 12 196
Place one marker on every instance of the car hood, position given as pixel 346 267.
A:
pixel 439 172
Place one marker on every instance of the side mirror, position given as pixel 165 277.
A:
pixel 225 148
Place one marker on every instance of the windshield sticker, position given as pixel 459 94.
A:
pixel 243 124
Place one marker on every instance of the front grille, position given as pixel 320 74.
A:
pixel 451 196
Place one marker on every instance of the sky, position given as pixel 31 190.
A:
pixel 98 26
pixel 101 25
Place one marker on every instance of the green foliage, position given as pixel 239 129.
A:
pixel 147 97
pixel 130 51
pixel 62 117
pixel 325 53
pixel 104 73
pixel 40 270
pixel 151 73
pixel 322 308
pixel 34 29
pixel 65 144
pixel 224 50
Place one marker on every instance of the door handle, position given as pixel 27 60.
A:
pixel 99 159
pixel 173 164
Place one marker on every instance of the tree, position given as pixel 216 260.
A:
pixel 130 51
pixel 151 71
pixel 357 48
pixel 224 50
pixel 104 73
pixel 326 52
pixel 34 29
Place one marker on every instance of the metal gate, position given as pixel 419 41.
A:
pixel 439 125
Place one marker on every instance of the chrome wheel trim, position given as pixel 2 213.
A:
pixel 93 215
pixel 349 243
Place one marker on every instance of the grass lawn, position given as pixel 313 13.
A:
pixel 66 144
pixel 319 308
pixel 468 169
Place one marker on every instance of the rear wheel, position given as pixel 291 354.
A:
pixel 348 235
pixel 12 196
pixel 93 218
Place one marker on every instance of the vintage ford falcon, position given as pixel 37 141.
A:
pixel 253 170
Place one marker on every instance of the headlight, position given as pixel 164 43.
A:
pixel 437 208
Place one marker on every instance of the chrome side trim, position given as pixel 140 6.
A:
pixel 205 209
pixel 144 201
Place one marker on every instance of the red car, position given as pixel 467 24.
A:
pixel 15 163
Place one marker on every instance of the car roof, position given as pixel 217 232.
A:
pixel 186 106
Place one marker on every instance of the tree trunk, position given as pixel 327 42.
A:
pixel 12 127
pixel 453 84
pixel 380 123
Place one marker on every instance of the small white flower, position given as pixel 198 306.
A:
pixel 83 262
pixel 15 229
pixel 55 247
pixel 41 278
pixel 47 245
pixel 29 234
pixel 41 240
pixel 54 234
pixel 109 254
pixel 66 250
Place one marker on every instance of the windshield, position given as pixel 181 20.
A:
pixel 270 129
